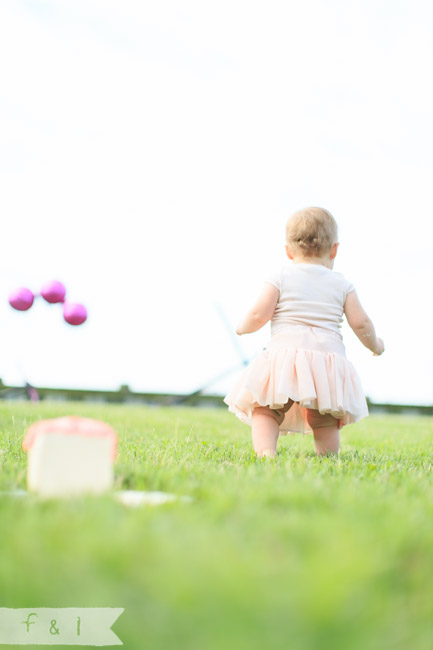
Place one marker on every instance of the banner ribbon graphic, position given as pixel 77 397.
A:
pixel 59 625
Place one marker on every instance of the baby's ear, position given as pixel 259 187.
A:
pixel 289 252
pixel 334 250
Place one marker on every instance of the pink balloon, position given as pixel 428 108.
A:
pixel 74 313
pixel 21 299
pixel 53 292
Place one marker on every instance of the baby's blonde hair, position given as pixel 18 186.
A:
pixel 311 232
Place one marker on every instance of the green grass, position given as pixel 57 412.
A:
pixel 296 552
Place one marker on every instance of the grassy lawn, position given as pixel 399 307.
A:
pixel 296 552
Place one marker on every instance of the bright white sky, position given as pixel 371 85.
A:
pixel 151 153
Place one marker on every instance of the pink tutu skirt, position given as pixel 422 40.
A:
pixel 308 365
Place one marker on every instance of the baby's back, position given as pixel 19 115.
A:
pixel 310 294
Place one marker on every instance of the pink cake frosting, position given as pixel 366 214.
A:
pixel 71 425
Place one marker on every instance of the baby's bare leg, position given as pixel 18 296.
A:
pixel 326 440
pixel 265 431
pixel 266 428
pixel 326 432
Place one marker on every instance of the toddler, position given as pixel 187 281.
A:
pixel 302 381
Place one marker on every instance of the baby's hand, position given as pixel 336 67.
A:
pixel 380 348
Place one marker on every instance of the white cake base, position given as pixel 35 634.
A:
pixel 69 464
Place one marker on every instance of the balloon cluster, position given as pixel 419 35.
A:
pixel 53 292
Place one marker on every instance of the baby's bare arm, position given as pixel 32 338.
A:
pixel 362 324
pixel 261 312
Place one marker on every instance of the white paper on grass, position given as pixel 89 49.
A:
pixel 136 498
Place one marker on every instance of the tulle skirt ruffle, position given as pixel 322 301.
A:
pixel 305 364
